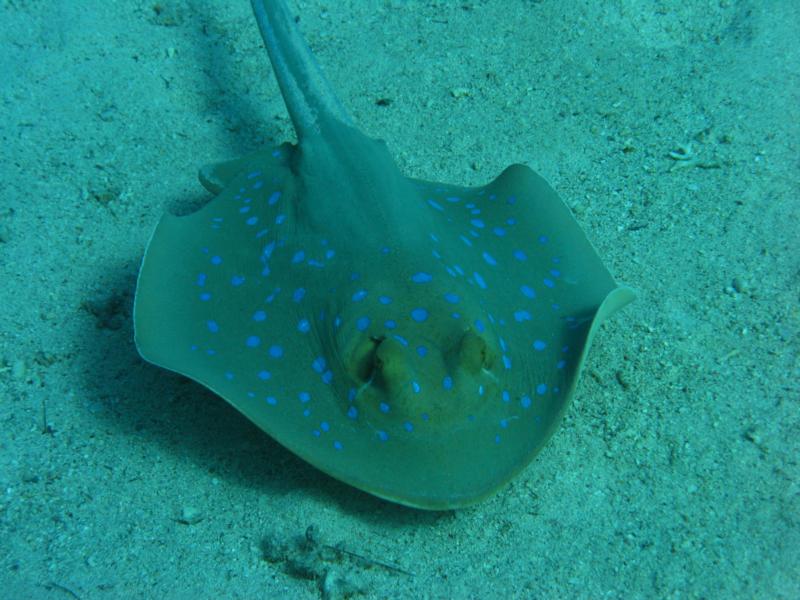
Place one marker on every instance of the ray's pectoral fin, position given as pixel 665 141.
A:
pixel 215 177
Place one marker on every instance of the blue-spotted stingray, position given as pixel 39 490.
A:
pixel 417 340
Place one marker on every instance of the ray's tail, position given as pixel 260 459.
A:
pixel 308 96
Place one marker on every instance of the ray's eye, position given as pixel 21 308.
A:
pixel 365 359
pixel 473 352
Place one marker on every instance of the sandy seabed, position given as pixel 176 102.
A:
pixel 670 128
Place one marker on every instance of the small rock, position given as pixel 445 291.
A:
pixel 740 286
pixel 19 370
pixel 190 515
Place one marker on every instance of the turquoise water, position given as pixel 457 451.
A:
pixel 669 128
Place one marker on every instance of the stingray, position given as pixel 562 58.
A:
pixel 417 340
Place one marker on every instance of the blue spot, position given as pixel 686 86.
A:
pixel 497 439
pixel 520 255
pixel 522 315
pixel 390 324
pixel 548 282
pixel 499 231
pixel 555 273
pixel 489 259
pixel 359 295
pixel 319 364
pixel 264 375
pixel 271 400
pixel 543 239
pixel 539 345
pixel 205 296
pixel 382 435
pixel 541 389
pixel 511 221
pixel 201 279
pixel 244 209
pixel 477 223
pixel 451 297
pixel 447 382
pixel 467 241
pixel 504 423
pixel 298 257
pixel 419 315
pixel 401 339
pixel 216 260
pixel 506 396
pixel 266 252
pixel 252 221
pixel 253 175
pixel 560 364
pixel 421 277
pixel 273 198
pixel 422 350
pixel 299 294
pixel 480 326
pixel 213 327
pixel 415 387
pixel 384 407
pixel 337 445
pixel 385 300
pixel 325 426
pixel 280 219
pixel 303 326
pixel 527 291
pixel 525 402
pixel 362 323
pixel 479 280
pixel 352 412
pixel 237 280
pixel 259 315
pixel 304 397
pixel 408 426
pixel 506 362
pixel 435 205
pixel 351 394
pixel 453 199
pixel 228 375
pixel 253 341
pixel 258 185
pixel 275 351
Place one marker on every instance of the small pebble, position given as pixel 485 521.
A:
pixel 739 285
pixel 19 370
pixel 190 515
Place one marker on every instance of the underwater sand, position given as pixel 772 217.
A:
pixel 670 128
